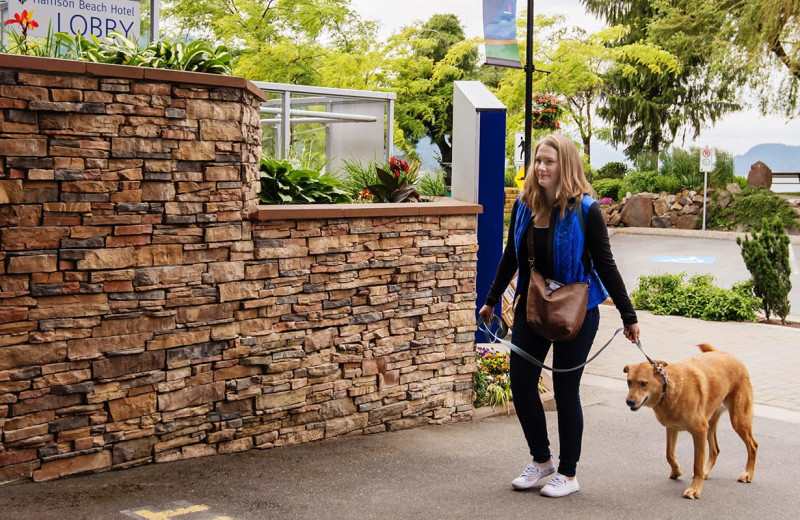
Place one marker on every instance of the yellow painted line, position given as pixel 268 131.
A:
pixel 171 513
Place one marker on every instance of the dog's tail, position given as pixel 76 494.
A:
pixel 705 347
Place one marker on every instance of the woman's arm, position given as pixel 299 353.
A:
pixel 600 251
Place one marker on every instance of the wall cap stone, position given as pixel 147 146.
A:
pixel 442 206
pixel 128 72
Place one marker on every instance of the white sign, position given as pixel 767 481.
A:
pixel 519 148
pixel 97 17
pixel 708 160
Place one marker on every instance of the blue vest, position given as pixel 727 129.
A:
pixel 568 243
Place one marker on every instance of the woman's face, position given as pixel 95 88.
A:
pixel 547 169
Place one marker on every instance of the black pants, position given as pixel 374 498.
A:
pixel 566 386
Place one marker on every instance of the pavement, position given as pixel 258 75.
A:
pixel 464 470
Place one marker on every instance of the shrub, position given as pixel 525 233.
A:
pixel 748 209
pixel 280 184
pixel 698 298
pixel 650 182
pixel 767 258
pixel 612 170
pixel 609 188
pixel 684 165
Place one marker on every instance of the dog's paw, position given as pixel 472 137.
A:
pixel 691 493
pixel 675 473
pixel 746 476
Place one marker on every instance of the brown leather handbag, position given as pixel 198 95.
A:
pixel 554 310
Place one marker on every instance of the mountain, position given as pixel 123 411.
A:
pixel 779 158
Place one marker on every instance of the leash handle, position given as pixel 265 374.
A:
pixel 491 336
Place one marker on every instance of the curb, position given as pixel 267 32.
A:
pixel 688 233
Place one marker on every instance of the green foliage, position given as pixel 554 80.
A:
pixel 426 60
pixel 355 177
pixel 53 45
pixel 432 184
pixel 196 56
pixel 306 42
pixel 767 258
pixel 610 188
pixel 650 182
pixel 612 170
pixel 281 184
pixel 684 165
pixel 753 42
pixel 698 298
pixel 647 111
pixel 749 209
pixel 508 178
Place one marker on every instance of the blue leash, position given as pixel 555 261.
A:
pixel 492 337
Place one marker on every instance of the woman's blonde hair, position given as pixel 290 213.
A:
pixel 571 183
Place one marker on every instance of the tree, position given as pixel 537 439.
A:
pixel 425 61
pixel 757 39
pixel 648 111
pixel 576 63
pixel 307 42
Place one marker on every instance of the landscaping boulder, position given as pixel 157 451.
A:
pixel 685 222
pixel 662 221
pixel 760 175
pixel 638 211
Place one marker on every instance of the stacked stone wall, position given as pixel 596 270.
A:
pixel 149 314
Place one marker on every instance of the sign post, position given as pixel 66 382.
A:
pixel 708 161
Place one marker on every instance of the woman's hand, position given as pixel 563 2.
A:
pixel 487 313
pixel 632 332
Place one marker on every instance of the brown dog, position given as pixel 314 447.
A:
pixel 698 390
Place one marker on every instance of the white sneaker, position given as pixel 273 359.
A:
pixel 532 474
pixel 560 486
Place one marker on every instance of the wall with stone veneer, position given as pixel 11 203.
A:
pixel 150 313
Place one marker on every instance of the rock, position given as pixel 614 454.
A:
pixel 637 211
pixel 733 188
pixel 685 222
pixel 660 206
pixel 661 221
pixel 724 199
pixel 760 175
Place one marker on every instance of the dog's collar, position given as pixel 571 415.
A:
pixel 664 380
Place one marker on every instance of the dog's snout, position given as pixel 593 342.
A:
pixel 630 402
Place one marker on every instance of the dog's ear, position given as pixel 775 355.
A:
pixel 626 369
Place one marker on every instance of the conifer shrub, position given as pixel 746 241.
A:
pixel 767 258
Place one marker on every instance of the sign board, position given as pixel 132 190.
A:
pixel 96 17
pixel 708 160
pixel 519 148
pixel 519 180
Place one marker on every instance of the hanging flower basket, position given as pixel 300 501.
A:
pixel 547 110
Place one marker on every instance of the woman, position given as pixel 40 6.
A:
pixel 554 188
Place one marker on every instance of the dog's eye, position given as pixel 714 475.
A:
pixel 643 383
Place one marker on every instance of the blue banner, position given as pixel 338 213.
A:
pixel 500 33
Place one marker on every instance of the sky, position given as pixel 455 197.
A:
pixel 736 133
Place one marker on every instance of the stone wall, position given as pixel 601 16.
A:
pixel 151 313
pixel 680 210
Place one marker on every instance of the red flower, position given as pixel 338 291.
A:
pixel 25 20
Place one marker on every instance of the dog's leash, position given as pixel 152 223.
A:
pixel 493 337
